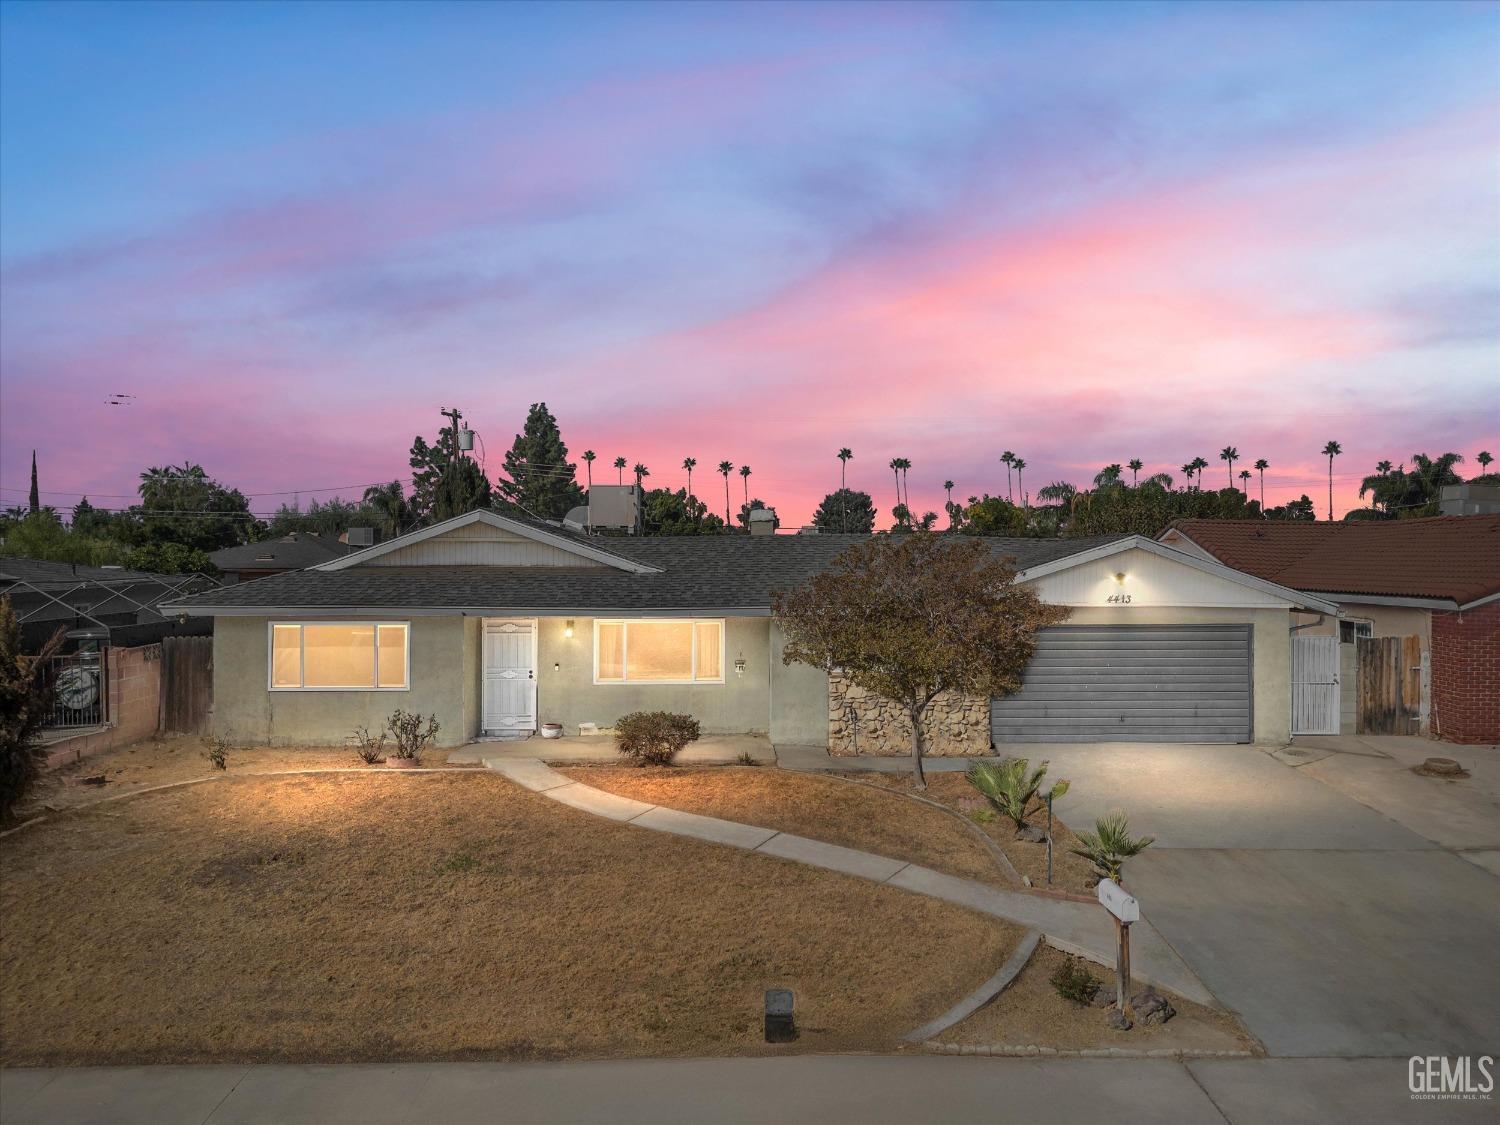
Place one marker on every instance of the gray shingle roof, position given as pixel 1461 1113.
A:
pixel 699 573
pixel 40 572
pixel 290 552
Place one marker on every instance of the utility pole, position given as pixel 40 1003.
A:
pixel 454 414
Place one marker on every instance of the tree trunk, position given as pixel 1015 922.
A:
pixel 916 749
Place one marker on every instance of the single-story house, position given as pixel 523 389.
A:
pixel 295 551
pixel 496 625
pixel 1416 645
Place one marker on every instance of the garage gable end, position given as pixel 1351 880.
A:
pixel 1139 573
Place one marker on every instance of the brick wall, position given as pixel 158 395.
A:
pixel 134 704
pixel 1466 675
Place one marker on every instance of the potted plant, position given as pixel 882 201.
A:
pixel 412 734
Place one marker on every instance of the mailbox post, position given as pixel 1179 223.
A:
pixel 1125 910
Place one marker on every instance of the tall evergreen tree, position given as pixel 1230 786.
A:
pixel 539 479
pixel 441 486
pixel 36 497
pixel 847 509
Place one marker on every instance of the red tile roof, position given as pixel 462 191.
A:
pixel 1453 557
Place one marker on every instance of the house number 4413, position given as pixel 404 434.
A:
pixel 1118 599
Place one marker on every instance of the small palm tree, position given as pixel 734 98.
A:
pixel 1010 459
pixel 588 466
pixel 1021 488
pixel 1136 465
pixel 1484 460
pixel 1231 454
pixel 1188 468
pixel 1200 463
pixel 1011 788
pixel 1110 845
pixel 1331 450
pixel 1245 482
pixel 895 468
pixel 1261 466
pixel 641 473
pixel 620 468
pixel 745 476
pixel 726 467
pixel 690 463
pixel 948 488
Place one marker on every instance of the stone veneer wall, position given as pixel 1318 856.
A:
pixel 862 723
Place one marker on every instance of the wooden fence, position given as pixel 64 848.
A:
pixel 187 683
pixel 1390 685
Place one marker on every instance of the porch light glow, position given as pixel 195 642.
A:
pixel 568 629
pixel 1120 577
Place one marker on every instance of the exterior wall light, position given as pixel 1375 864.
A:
pixel 1119 577
pixel 739 664
pixel 568 628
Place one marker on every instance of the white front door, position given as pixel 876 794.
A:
pixel 1315 685
pixel 509 675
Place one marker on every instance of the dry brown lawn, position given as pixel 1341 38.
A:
pixel 1031 1012
pixel 379 915
pixel 180 757
pixel 823 808
pixel 1069 872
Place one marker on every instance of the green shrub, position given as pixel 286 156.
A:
pixel 25 702
pixel 653 738
pixel 412 732
pixel 1011 789
pixel 1073 982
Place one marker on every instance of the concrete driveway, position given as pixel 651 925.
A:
pixel 1329 926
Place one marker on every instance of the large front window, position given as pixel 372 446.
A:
pixel 659 652
pixel 339 656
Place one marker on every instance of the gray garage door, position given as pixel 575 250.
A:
pixel 1131 683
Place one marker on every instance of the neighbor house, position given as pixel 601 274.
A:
pixel 297 550
pixel 495 625
pixel 1418 631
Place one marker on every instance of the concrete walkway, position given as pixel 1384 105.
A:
pixel 830 1089
pixel 1077 927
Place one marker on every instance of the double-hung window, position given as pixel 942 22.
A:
pixel 659 651
pixel 339 656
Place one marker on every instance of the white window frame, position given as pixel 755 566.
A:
pixel 1362 628
pixel 271 627
pixel 625 649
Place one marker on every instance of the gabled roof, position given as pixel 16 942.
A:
pixel 1444 558
pixel 672 575
pixel 296 551
pixel 1207 566
pixel 581 546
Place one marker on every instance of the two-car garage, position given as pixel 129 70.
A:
pixel 1133 683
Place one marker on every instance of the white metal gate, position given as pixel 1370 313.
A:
pixel 509 675
pixel 1315 685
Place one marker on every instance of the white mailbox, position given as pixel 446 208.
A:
pixel 1113 898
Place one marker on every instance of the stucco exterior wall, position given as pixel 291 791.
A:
pixel 1385 621
pixel 1271 715
pixel 799 699
pixel 567 694
pixel 246 712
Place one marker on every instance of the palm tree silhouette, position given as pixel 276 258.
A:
pixel 1484 460
pixel 1188 468
pixel 641 472
pixel 726 468
pixel 905 487
pixel 1331 450
pixel 948 488
pixel 620 468
pixel 1245 482
pixel 588 466
pixel 844 455
pixel 896 471
pixel 1136 465
pixel 1231 454
pixel 1010 459
pixel 1261 466
pixel 690 463
pixel 1200 464
pixel 745 476
pixel 1021 488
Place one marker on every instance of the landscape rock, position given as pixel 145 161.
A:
pixel 1152 1008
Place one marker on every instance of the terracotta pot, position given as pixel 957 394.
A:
pixel 396 763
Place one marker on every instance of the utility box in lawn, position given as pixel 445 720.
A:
pixel 780 1027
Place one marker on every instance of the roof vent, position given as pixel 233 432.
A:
pixel 762 521
pixel 614 505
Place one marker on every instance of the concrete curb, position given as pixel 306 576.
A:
pixel 1007 1050
pixel 983 994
